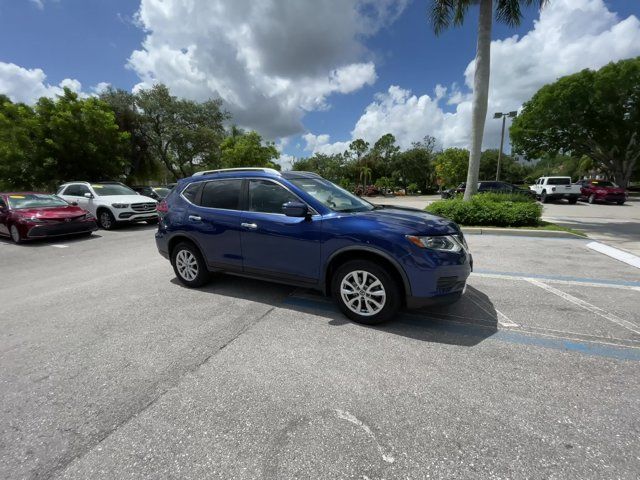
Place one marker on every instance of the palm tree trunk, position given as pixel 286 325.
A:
pixel 480 95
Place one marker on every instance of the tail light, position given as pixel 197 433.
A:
pixel 163 207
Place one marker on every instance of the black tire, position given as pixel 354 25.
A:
pixel 152 221
pixel 620 202
pixel 573 200
pixel 184 252
pixel 106 221
pixel 388 286
pixel 592 199
pixel 14 233
pixel 543 197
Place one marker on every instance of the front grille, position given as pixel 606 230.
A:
pixel 143 207
pixel 64 228
pixel 449 284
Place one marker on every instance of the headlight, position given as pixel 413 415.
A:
pixel 119 205
pixel 441 243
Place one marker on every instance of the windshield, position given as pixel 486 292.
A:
pixel 603 183
pixel 332 196
pixel 104 189
pixel 35 200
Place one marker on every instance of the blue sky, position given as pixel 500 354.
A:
pixel 91 41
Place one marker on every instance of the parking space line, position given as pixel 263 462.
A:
pixel 587 306
pixel 584 282
pixel 503 320
pixel 619 255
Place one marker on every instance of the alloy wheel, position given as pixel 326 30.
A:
pixel 105 220
pixel 363 293
pixel 187 265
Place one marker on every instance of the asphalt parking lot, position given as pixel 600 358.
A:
pixel 110 369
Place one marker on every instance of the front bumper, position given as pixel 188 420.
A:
pixel 420 302
pixel 136 216
pixel 61 228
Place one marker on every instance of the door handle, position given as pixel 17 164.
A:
pixel 195 218
pixel 250 226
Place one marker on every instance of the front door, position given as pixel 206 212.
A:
pixel 274 245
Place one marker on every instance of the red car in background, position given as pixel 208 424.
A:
pixel 30 215
pixel 603 190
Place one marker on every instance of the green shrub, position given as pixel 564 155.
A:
pixel 489 210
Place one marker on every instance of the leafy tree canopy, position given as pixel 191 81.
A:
pixel 590 113
pixel 242 149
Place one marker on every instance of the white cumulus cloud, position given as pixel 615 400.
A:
pixel 269 60
pixel 570 35
pixel 28 85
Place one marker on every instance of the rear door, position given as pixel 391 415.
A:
pixel 274 245
pixel 4 215
pixel 214 221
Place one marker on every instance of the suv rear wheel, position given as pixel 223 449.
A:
pixel 365 292
pixel 189 265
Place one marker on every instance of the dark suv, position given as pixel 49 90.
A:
pixel 300 229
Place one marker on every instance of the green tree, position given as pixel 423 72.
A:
pixel 331 167
pixel 183 135
pixel 242 149
pixel 443 14
pixel 141 163
pixel 451 166
pixel 77 139
pixel 415 165
pixel 18 130
pixel 590 113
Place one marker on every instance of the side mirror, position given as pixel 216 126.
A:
pixel 295 209
pixel 75 204
pixel 88 195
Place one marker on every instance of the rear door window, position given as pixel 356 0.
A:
pixel 222 194
pixel 559 181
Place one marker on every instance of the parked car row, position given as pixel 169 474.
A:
pixel 548 189
pixel 486 186
pixel 76 208
pixel 593 190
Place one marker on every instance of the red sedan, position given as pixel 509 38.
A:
pixel 604 190
pixel 30 215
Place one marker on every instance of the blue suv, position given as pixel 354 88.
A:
pixel 300 229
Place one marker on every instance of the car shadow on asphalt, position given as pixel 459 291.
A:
pixel 465 323
pixel 49 241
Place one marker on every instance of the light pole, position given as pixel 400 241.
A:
pixel 504 120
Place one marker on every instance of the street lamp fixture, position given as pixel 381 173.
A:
pixel 503 116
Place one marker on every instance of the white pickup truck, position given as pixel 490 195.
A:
pixel 553 188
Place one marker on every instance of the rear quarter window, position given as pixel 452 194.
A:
pixel 559 181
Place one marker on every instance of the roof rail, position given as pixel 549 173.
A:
pixel 241 169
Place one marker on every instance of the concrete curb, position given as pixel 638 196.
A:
pixel 519 232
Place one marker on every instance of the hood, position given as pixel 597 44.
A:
pixel 127 199
pixel 410 220
pixel 52 213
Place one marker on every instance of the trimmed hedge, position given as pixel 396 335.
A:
pixel 490 210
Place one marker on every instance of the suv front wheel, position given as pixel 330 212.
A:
pixel 189 265
pixel 365 292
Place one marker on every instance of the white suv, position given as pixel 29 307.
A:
pixel 110 202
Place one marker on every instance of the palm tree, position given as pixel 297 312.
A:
pixel 445 13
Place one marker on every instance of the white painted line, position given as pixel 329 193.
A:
pixel 620 255
pixel 59 246
pixel 349 417
pixel 587 306
pixel 503 320
pixel 553 280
